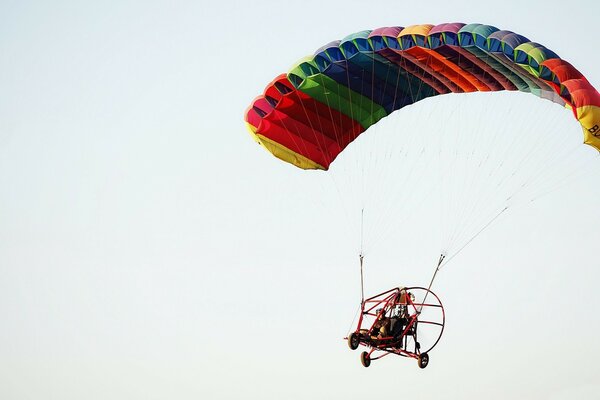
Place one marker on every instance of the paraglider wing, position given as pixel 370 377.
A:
pixel 309 115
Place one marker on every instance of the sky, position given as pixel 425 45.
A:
pixel 149 249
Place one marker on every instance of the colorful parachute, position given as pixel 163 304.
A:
pixel 309 115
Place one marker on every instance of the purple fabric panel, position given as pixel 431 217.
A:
pixel 513 39
pixel 335 43
pixel 499 35
pixel 451 27
pixel 392 31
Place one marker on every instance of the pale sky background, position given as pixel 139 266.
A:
pixel 149 249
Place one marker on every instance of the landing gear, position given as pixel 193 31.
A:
pixel 353 341
pixel 423 360
pixel 365 359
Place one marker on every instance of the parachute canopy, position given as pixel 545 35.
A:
pixel 309 115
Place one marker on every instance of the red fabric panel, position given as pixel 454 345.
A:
pixel 576 84
pixel 252 116
pixel 585 97
pixel 562 69
pixel 262 104
pixel 301 123
pixel 305 133
pixel 582 93
pixel 287 139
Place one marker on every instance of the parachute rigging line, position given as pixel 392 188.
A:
pixel 441 262
pixel 361 257
pixel 437 268
pixel 362 287
pixel 312 113
pixel 469 241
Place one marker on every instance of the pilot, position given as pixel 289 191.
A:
pixel 381 327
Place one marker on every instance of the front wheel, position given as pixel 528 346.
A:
pixel 365 359
pixel 423 360
pixel 353 341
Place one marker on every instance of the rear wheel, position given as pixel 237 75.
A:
pixel 423 360
pixel 353 341
pixel 365 359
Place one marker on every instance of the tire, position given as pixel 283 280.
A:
pixel 423 360
pixel 365 359
pixel 353 341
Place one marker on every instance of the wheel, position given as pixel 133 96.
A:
pixel 365 359
pixel 353 341
pixel 423 360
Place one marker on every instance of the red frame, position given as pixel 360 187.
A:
pixel 385 302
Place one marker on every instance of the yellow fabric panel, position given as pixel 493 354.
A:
pixel 589 117
pixel 252 131
pixel 281 152
pixel 422 30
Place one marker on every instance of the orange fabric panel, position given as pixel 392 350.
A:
pixel 467 81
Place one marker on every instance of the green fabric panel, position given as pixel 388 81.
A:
pixel 532 52
pixel 357 35
pixel 469 28
pixel 538 54
pixel 339 97
pixel 526 47
pixel 515 78
pixel 335 95
pixel 484 30
pixel 297 67
pixel 306 68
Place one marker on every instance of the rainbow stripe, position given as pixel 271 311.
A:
pixel 309 115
